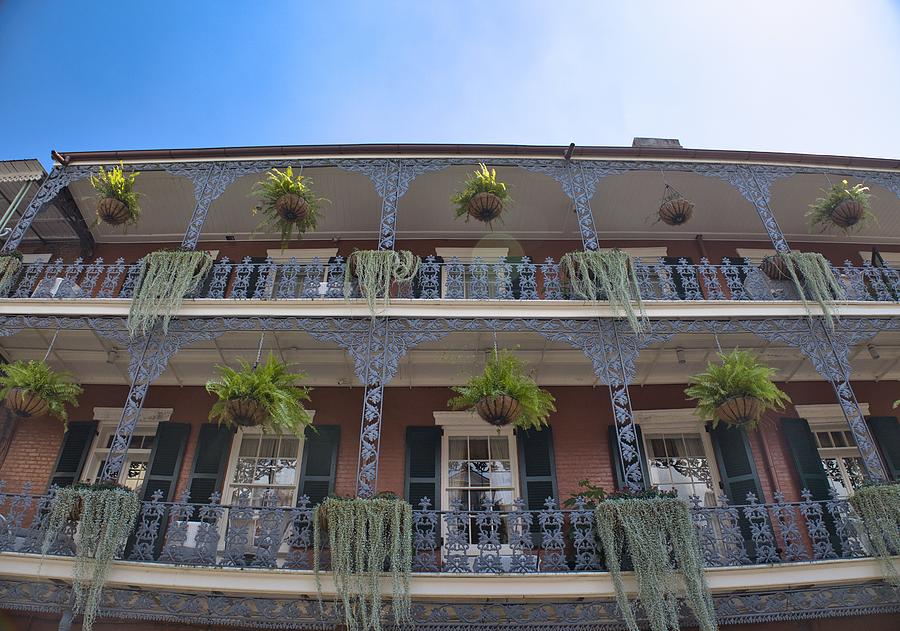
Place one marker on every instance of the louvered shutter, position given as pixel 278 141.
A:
pixel 74 451
pixel 319 464
pixel 737 469
pixel 805 455
pixel 423 462
pixel 165 459
pixel 886 430
pixel 537 472
pixel 210 461
pixel 618 469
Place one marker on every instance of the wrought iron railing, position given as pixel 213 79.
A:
pixel 450 541
pixel 500 279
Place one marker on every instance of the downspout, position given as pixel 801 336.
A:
pixel 14 204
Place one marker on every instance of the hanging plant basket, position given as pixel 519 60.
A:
pixel 848 213
pixel 112 212
pixel 675 210
pixel 739 410
pixel 292 208
pixel 498 410
pixel 25 403
pixel 485 207
pixel 775 267
pixel 245 412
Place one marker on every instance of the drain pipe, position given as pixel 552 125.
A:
pixel 14 204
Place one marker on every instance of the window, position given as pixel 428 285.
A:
pixel 261 463
pixel 836 444
pixel 137 459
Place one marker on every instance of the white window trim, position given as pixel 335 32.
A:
pixel 236 449
pixel 825 416
pixel 108 420
pixel 891 258
pixel 37 257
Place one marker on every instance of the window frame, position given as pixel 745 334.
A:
pixel 829 417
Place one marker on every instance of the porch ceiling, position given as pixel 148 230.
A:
pixel 624 207
pixel 450 361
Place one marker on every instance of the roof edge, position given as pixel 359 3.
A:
pixel 422 149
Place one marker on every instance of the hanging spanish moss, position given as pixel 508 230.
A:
pixel 166 277
pixel 879 508
pixel 105 516
pixel 606 275
pixel 365 536
pixel 651 528
pixel 376 270
pixel 10 264
pixel 810 270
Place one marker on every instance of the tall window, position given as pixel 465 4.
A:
pixel 261 463
pixel 137 458
pixel 841 459
pixel 680 461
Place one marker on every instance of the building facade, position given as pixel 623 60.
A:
pixel 224 534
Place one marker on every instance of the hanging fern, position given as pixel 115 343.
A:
pixel 166 277
pixel 376 270
pixel 606 275
pixel 650 528
pixel 55 389
pixel 812 273
pixel 106 515
pixel 821 215
pixel 10 265
pixel 879 508
pixel 365 536
pixel 272 192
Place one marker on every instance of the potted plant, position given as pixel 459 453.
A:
pixel 287 203
pixel 366 536
pixel 483 196
pixel 105 515
pixel 166 277
pixel 606 275
pixel 738 391
pixel 652 529
pixel 675 209
pixel 32 388
pixel 505 394
pixel 376 270
pixel 10 265
pixel 265 395
pixel 878 505
pixel 844 207
pixel 118 201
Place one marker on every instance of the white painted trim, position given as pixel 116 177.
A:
pixel 830 414
pixel 467 255
pixel 462 419
pixel 148 415
pixel 37 257
pixel 276 582
pixel 670 420
pixel 756 255
pixel 891 258
pixel 301 255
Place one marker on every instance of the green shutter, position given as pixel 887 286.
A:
pixel 210 461
pixel 319 463
pixel 886 430
pixel 618 469
pixel 165 459
pixel 737 469
pixel 805 454
pixel 537 466
pixel 74 451
pixel 423 461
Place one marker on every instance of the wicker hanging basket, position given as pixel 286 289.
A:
pixel 739 410
pixel 848 213
pixel 775 267
pixel 675 210
pixel 245 412
pixel 499 410
pixel 113 212
pixel 25 403
pixel 485 207
pixel 292 208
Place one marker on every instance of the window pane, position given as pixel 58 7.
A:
pixel 478 474
pixel 824 439
pixel 500 448
pixel 478 448
pixel 459 473
pixel 249 446
pixel 851 441
pixel 267 447
pixel 838 438
pixel 286 472
pixel 693 447
pixel 458 449
pixel 289 447
pixel 243 473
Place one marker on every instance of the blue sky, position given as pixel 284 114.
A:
pixel 820 76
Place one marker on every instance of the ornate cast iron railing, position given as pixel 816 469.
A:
pixel 500 279
pixel 489 540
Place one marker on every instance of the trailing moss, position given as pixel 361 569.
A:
pixel 10 265
pixel 376 270
pixel 650 527
pixel 606 275
pixel 818 279
pixel 879 508
pixel 166 277
pixel 364 537
pixel 107 517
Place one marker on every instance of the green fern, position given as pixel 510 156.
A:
pixel 55 388
pixel 277 184
pixel 116 183
pixel 483 180
pixel 820 213
pixel 273 385
pixel 739 375
pixel 504 373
